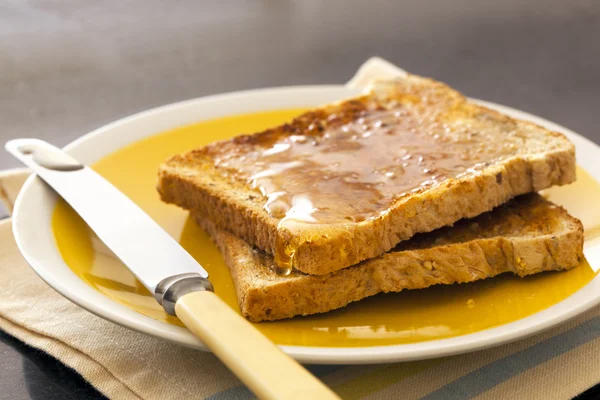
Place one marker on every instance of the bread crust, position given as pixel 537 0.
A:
pixel 193 182
pixel 525 236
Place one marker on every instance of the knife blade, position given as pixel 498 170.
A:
pixel 175 279
pixel 124 227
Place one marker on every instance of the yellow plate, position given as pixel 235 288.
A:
pixel 407 317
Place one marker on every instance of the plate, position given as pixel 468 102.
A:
pixel 61 260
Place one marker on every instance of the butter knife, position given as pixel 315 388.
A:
pixel 175 279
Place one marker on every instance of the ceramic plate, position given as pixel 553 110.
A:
pixel 366 332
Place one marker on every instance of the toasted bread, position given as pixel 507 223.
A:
pixel 525 236
pixel 505 158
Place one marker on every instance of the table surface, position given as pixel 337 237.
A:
pixel 67 67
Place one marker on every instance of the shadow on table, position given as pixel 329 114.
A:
pixel 45 377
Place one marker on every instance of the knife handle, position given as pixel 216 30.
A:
pixel 260 364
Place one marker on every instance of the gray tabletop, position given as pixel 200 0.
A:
pixel 67 67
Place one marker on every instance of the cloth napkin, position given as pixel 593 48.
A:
pixel 557 364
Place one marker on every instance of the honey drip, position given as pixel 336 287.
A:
pixel 284 256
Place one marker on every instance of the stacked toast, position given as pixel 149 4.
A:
pixel 408 186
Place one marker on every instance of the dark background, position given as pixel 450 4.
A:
pixel 70 66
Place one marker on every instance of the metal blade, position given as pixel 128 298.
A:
pixel 149 252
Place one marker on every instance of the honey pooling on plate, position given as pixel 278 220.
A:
pixel 390 319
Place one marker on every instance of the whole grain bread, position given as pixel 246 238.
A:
pixel 539 159
pixel 525 236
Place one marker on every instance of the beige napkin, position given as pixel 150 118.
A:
pixel 122 364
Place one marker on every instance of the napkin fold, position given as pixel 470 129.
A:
pixel 557 364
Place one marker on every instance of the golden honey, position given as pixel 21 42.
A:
pixel 406 317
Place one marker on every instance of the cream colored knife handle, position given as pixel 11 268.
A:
pixel 260 364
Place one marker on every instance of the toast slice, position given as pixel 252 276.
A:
pixel 524 236
pixel 347 182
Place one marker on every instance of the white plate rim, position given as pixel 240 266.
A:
pixel 36 202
